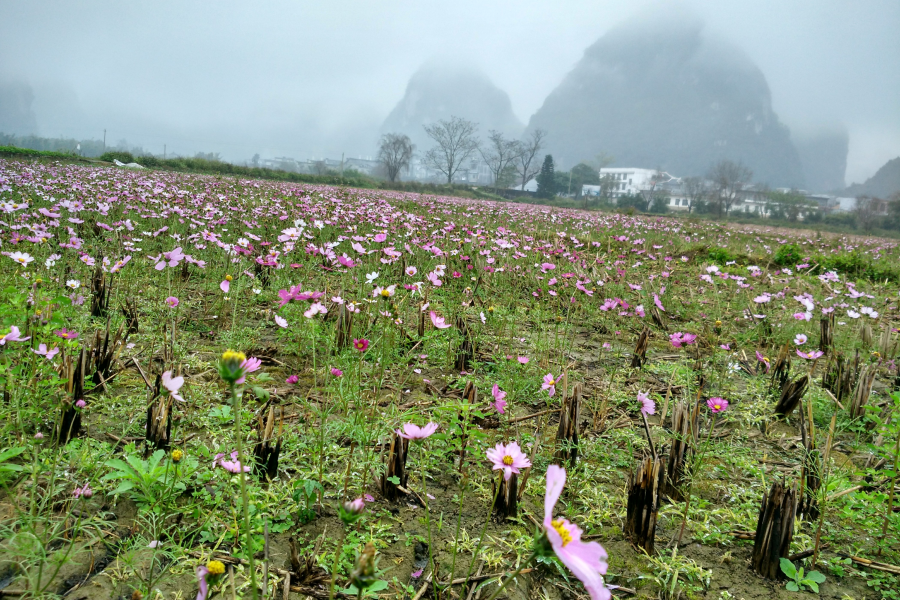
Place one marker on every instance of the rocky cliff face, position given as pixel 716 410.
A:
pixel 823 154
pixel 440 91
pixel 884 184
pixel 665 94
pixel 16 112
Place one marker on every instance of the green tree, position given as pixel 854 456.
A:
pixel 546 179
pixel 660 203
pixel 635 201
pixel 583 174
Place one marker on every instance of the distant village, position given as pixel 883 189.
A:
pixel 616 183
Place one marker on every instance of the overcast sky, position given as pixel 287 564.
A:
pixel 307 79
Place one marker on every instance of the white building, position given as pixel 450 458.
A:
pixel 628 181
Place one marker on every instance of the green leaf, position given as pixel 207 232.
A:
pixel 260 393
pixel 10 453
pixel 123 487
pixel 792 587
pixel 787 567
pixel 394 479
pixel 377 586
pixel 816 576
pixel 812 585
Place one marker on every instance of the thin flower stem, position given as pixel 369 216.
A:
pixel 696 471
pixel 484 528
pixel 334 564
pixel 513 576
pixel 235 398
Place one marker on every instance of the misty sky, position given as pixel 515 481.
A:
pixel 312 79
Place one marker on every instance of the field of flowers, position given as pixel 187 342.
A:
pixel 215 387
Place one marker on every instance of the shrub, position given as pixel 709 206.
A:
pixel 720 255
pixel 788 255
pixel 125 157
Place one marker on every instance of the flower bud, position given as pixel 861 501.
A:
pixel 351 511
pixel 230 365
pixel 364 573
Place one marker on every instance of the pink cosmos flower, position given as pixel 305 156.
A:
pixel 549 384
pixel 281 321
pixel 648 406
pixel 361 344
pixel 48 354
pixel 202 572
pixel 509 458
pixel 315 308
pixel 763 359
pixel 725 346
pixel 225 285
pixel 658 302
pixel 80 404
pixel 812 355
pixel 292 379
pixel 437 321
pixel 336 372
pixel 248 365
pixel 173 384
pixel 233 465
pixel 499 403
pixel 679 339
pixel 586 560
pixel 172 301
pixel 14 335
pixel 800 339
pixel 414 432
pixel 65 334
pixel 717 405
pixel 523 360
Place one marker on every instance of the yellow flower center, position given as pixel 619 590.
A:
pixel 717 406
pixel 560 527
pixel 507 460
pixel 551 382
pixel 385 293
pixel 215 567
pixel 21 260
pixel 718 323
pixel 229 278
pixel 231 355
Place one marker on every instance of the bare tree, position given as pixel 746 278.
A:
pixel 694 190
pixel 320 168
pixel 455 144
pixel 525 163
pixel 394 154
pixel 498 153
pixel 729 179
pixel 866 212
pixel 607 185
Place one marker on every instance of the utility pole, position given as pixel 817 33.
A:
pixel 104 140
pixel 164 152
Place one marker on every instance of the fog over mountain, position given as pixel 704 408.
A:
pixel 442 89
pixel 665 92
pixel 312 80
